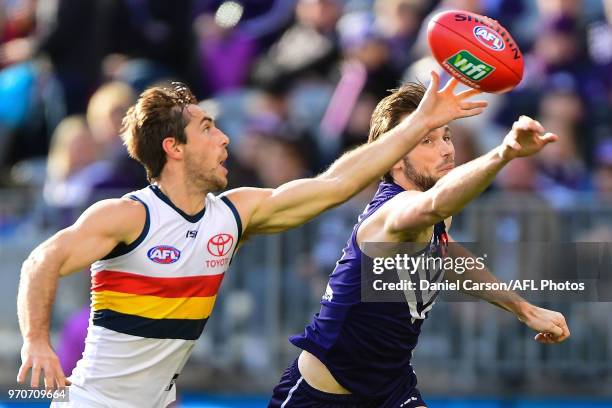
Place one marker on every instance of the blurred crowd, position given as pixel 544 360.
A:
pixel 292 83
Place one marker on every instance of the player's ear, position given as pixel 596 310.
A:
pixel 397 167
pixel 172 148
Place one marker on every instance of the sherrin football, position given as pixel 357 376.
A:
pixel 476 50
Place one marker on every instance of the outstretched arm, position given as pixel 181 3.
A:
pixel 550 325
pixel 93 236
pixel 294 203
pixel 412 211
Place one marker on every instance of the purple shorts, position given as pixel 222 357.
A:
pixel 293 392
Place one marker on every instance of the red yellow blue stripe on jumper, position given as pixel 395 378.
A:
pixel 169 307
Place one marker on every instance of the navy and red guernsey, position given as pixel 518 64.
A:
pixel 367 346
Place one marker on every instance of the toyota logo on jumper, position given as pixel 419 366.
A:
pixel 220 244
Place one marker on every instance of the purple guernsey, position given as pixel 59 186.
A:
pixel 367 346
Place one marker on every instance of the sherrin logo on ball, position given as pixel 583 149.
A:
pixel 164 254
pixel 476 50
pixel 489 38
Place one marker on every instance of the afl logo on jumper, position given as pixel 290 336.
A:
pixel 164 254
pixel 489 38
pixel 220 244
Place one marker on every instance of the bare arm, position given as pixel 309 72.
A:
pixel 411 211
pixel 294 203
pixel 550 325
pixel 93 236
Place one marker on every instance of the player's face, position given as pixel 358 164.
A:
pixel 205 151
pixel 431 159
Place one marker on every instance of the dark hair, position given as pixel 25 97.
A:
pixel 390 110
pixel 157 114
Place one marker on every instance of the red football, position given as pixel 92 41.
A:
pixel 476 50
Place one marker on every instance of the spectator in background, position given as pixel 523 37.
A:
pixel 562 170
pixel 76 58
pixel 421 46
pixel 279 161
pixel 225 50
pixel 572 8
pixel 161 31
pixel 603 170
pixel 518 176
pixel 17 20
pixel 248 150
pixel 104 113
pixel 309 48
pixel 466 146
pixel 599 37
pixel 358 125
pixel 269 154
pixel 601 231
pixel 72 169
pixel 105 110
pixel 398 21
pixel 364 45
pixel 366 73
pixel 559 53
pixel 157 42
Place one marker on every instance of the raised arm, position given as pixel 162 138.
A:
pixel 412 211
pixel 93 236
pixel 294 203
pixel 550 325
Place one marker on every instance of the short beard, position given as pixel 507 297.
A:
pixel 202 180
pixel 423 182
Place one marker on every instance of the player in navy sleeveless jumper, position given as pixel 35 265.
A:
pixel 357 354
pixel 159 254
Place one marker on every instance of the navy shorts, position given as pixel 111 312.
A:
pixel 293 392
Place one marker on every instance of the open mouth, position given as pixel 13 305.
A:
pixel 222 163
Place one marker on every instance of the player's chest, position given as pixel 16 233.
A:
pixel 177 248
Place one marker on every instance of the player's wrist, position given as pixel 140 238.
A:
pixel 504 153
pixel 523 310
pixel 36 338
pixel 421 120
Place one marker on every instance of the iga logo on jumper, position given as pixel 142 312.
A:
pixel 489 38
pixel 220 244
pixel 164 254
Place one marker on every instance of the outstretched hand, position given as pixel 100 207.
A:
pixel 526 138
pixel 550 325
pixel 439 107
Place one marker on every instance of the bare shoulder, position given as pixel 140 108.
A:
pixel 244 195
pixel 246 200
pixel 119 217
pixel 97 231
pixel 374 228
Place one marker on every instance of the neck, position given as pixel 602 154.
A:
pixel 404 183
pixel 184 195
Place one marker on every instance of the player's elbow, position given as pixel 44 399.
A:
pixel 46 258
pixel 27 265
pixel 32 265
pixel 436 207
pixel 341 189
pixel 420 212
